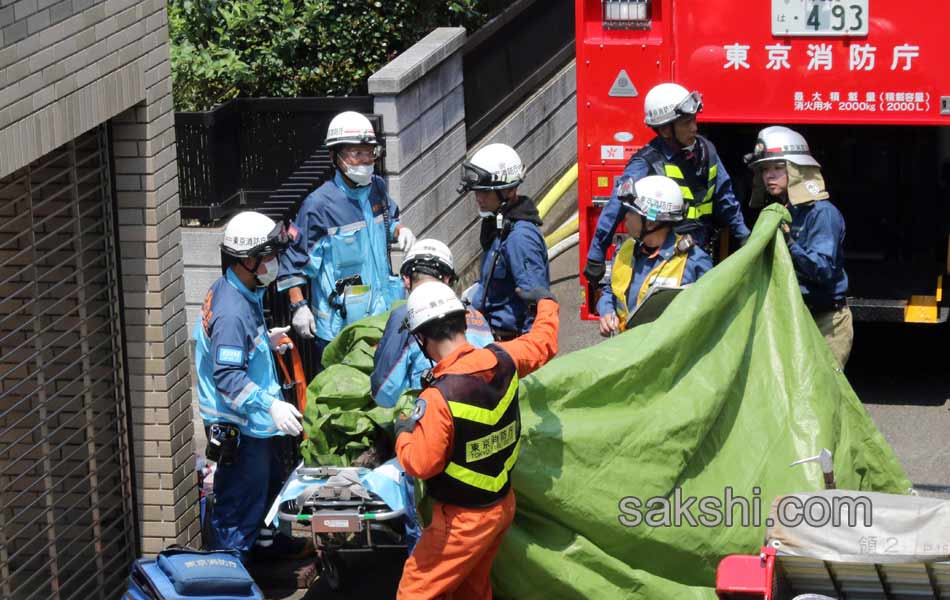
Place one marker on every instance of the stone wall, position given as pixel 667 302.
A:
pixel 420 96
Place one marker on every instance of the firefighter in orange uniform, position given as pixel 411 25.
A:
pixel 462 439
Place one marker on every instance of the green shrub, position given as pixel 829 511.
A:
pixel 224 49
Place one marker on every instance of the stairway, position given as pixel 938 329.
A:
pixel 283 202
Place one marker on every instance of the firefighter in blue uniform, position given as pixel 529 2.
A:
pixel 398 363
pixel 786 172
pixel 515 253
pixel 340 240
pixel 654 255
pixel 689 159
pixel 238 391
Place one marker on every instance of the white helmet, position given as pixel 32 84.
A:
pixel 431 301
pixel 667 102
pixel 494 167
pixel 350 128
pixel 250 234
pixel 656 198
pixel 781 143
pixel 431 257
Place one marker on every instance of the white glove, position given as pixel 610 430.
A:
pixel 279 342
pixel 406 238
pixel 285 417
pixel 304 324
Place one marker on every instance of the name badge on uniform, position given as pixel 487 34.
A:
pixel 230 355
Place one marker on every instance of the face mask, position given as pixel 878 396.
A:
pixel 485 214
pixel 361 175
pixel 269 276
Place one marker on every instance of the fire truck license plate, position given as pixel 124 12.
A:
pixel 820 17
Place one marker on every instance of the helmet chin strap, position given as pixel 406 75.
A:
pixel 422 346
pixel 253 272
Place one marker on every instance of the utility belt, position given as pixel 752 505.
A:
pixel 817 308
pixel 223 442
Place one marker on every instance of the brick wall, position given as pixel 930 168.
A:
pixel 66 67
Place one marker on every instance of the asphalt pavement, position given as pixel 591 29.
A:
pixel 897 370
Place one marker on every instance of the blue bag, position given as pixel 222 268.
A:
pixel 183 574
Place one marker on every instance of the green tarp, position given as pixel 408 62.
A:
pixel 341 420
pixel 728 387
pixel 725 390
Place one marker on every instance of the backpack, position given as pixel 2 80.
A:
pixel 179 573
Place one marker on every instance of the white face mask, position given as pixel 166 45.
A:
pixel 485 214
pixel 361 175
pixel 270 275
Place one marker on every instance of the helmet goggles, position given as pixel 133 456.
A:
pixel 277 240
pixel 474 177
pixel 650 208
pixel 690 105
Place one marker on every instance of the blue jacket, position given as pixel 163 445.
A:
pixel 522 262
pixel 697 263
pixel 726 209
pixel 237 380
pixel 398 363
pixel 817 249
pixel 330 240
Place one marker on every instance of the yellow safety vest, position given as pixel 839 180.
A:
pixel 667 272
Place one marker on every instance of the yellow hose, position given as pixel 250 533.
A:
pixel 555 193
pixel 563 232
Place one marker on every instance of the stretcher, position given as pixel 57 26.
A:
pixel 349 510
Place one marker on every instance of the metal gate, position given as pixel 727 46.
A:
pixel 67 526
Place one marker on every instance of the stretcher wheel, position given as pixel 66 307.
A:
pixel 331 569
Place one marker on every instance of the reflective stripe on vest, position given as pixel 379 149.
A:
pixel 695 210
pixel 481 481
pixel 483 415
pixel 668 272
pixel 487 423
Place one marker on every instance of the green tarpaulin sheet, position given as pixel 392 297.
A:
pixel 732 384
pixel 727 388
pixel 341 420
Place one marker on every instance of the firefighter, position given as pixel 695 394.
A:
pixel 689 159
pixel 340 240
pixel 239 395
pixel 786 172
pixel 515 252
pixel 463 440
pixel 653 255
pixel 398 363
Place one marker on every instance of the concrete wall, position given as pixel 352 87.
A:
pixel 420 96
pixel 66 67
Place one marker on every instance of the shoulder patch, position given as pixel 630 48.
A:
pixel 419 410
pixel 230 355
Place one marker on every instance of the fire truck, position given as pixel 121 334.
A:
pixel 864 81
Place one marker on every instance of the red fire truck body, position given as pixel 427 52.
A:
pixel 863 80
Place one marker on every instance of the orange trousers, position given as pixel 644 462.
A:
pixel 453 558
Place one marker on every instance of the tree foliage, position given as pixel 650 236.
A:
pixel 224 49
